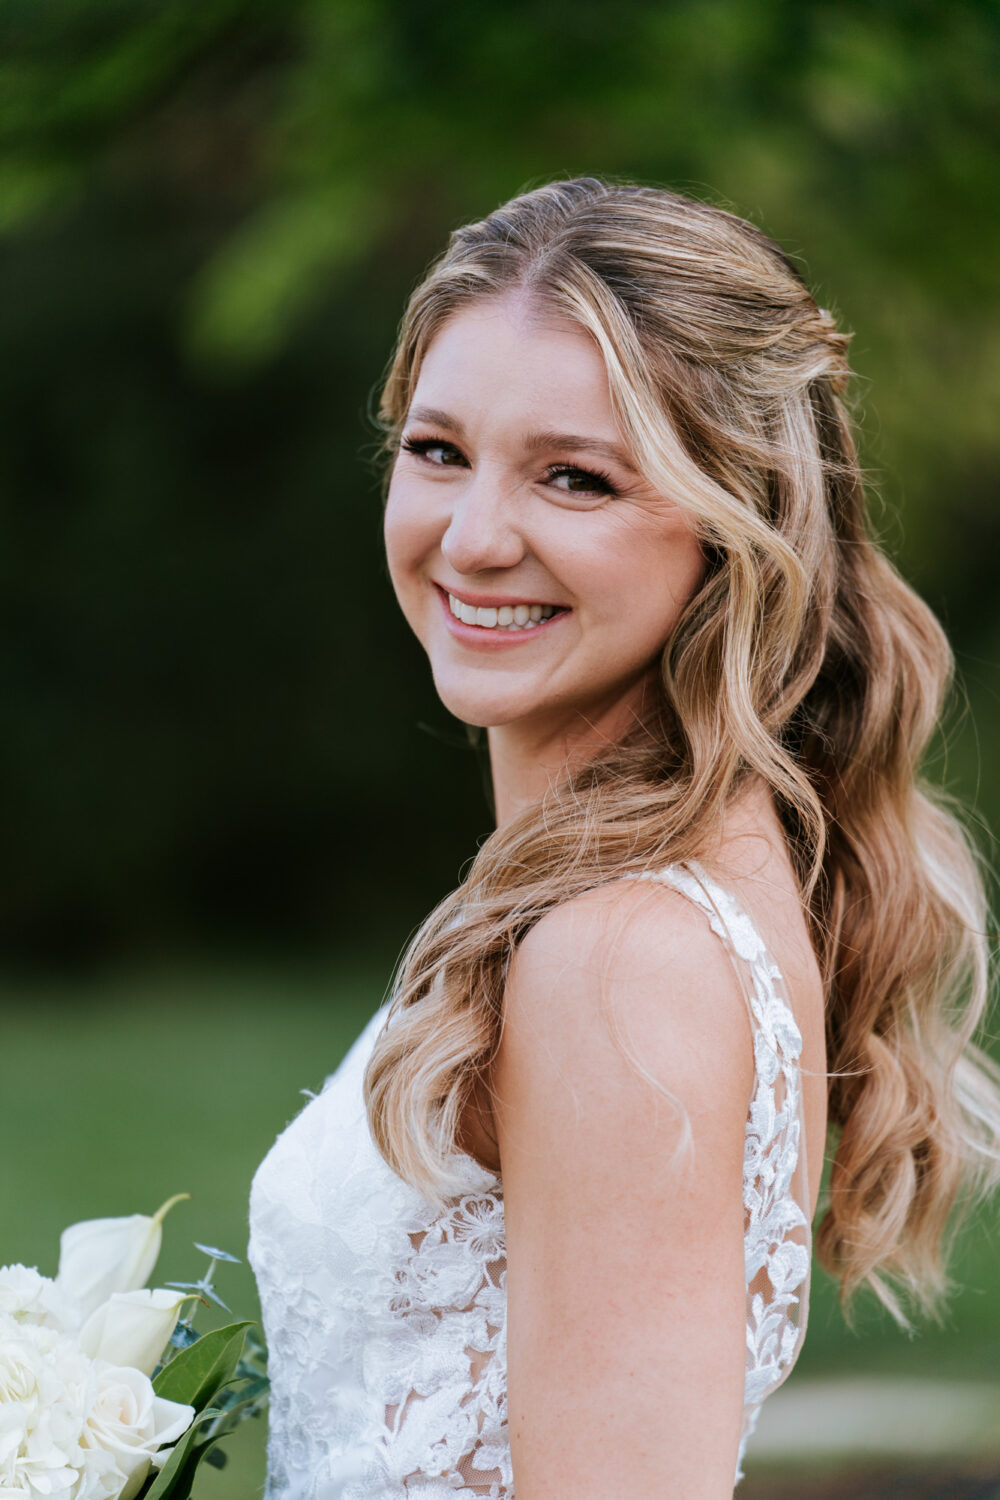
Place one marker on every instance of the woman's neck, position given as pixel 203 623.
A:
pixel 527 758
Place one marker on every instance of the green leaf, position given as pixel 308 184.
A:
pixel 254 1386
pixel 194 1375
pixel 229 1418
pixel 177 1475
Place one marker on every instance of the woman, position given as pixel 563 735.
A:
pixel 547 1228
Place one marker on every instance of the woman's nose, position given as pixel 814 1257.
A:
pixel 481 534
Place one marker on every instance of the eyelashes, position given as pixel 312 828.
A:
pixel 422 446
pixel 598 481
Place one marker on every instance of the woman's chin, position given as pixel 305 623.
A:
pixel 484 709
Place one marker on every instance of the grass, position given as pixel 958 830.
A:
pixel 122 1091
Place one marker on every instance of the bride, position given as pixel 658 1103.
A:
pixel 547 1228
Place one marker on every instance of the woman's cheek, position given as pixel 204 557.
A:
pixel 408 544
pixel 414 518
pixel 400 535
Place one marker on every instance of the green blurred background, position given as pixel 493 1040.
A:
pixel 229 791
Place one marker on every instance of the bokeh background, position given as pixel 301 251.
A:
pixel 229 793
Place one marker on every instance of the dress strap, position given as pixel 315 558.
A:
pixel 761 980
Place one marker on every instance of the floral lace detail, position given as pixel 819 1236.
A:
pixel 446 1405
pixel 386 1316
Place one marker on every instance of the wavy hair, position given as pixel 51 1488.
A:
pixel 803 658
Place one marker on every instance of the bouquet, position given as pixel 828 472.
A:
pixel 106 1393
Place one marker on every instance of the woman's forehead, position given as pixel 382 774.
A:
pixel 499 360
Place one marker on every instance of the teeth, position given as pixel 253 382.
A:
pixel 506 617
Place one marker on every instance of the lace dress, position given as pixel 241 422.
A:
pixel 385 1317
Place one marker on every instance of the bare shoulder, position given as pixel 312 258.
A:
pixel 628 973
pixel 631 924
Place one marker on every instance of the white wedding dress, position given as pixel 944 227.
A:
pixel 385 1317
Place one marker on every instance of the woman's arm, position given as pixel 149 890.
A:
pixel 626 1291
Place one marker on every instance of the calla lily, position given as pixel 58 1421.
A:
pixel 99 1257
pixel 132 1328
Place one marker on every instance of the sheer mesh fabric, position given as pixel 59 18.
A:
pixel 386 1317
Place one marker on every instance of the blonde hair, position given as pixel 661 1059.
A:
pixel 803 658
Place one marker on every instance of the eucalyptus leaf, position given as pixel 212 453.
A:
pixel 213 1296
pixel 196 1373
pixel 217 1254
pixel 183 1336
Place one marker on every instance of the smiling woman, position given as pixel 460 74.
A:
pixel 547 1229
pixel 489 504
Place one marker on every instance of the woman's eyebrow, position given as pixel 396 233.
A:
pixel 549 439
pixel 535 441
pixel 436 417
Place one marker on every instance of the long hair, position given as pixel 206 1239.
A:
pixel 803 658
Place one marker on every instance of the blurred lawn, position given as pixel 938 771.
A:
pixel 121 1091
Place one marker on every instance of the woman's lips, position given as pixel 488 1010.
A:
pixel 494 637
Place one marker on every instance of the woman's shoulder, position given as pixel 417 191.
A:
pixel 618 931
pixel 650 978
pixel 614 975
pixel 629 973
pixel 681 923
pixel 659 969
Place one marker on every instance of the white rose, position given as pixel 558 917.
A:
pixel 129 1423
pixel 132 1328
pixel 99 1257
pixel 28 1297
pixel 74 1428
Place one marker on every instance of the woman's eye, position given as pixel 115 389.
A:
pixel 570 480
pixel 581 481
pixel 442 454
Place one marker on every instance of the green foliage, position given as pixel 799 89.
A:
pixel 210 217
pixel 177 1476
pixel 222 1376
pixel 195 1375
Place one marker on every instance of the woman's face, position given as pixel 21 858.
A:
pixel 513 498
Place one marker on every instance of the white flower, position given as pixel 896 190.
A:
pixel 46 1387
pixel 132 1328
pixel 28 1297
pixel 74 1428
pixel 99 1257
pixel 128 1422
